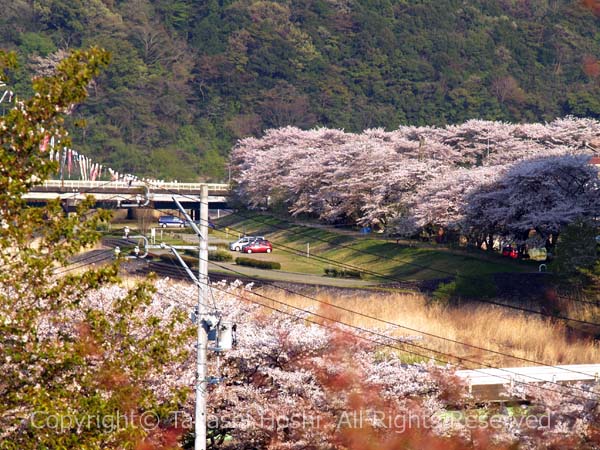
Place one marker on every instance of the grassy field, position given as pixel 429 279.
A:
pixel 366 253
pixel 508 332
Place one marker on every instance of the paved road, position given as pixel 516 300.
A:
pixel 279 275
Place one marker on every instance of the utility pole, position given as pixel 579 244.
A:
pixel 225 332
pixel 201 379
pixel 202 320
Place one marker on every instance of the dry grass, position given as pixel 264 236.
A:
pixel 493 328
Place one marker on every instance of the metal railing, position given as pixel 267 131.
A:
pixel 107 185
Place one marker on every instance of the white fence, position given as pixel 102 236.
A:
pixel 107 185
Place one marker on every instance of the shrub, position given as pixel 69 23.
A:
pixel 465 288
pixel 103 227
pixel 444 293
pixel 257 263
pixel 576 248
pixel 482 286
pixel 342 273
pixel 220 255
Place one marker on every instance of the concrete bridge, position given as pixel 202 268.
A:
pixel 123 194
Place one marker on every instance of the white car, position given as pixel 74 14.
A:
pixel 237 245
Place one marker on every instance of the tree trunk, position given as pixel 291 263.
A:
pixel 490 242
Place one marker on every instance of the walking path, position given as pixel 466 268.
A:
pixel 279 275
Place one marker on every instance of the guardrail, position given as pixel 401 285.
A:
pixel 107 185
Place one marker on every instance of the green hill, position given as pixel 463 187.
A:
pixel 188 77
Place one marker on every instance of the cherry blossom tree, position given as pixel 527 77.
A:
pixel 405 178
pixel 542 194
pixel 291 383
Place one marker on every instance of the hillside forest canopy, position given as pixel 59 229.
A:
pixel 189 78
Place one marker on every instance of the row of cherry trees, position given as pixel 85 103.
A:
pixel 479 178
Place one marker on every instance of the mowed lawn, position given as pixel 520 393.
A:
pixel 370 254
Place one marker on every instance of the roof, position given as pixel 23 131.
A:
pixel 595 160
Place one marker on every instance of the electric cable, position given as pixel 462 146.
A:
pixel 385 277
pixel 381 320
pixel 367 316
pixel 439 337
pixel 298 252
pixel 388 338
pixel 77 265
pixel 377 255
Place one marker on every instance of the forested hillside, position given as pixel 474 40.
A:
pixel 189 77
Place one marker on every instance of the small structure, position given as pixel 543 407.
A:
pixel 489 384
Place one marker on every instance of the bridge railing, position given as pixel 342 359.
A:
pixel 107 185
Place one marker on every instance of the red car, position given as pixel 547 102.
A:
pixel 510 251
pixel 258 246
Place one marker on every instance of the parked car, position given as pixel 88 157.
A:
pixel 510 252
pixel 239 244
pixel 258 246
pixel 171 221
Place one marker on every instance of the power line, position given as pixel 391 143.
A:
pixel 358 313
pixel 366 252
pixel 388 338
pixel 377 334
pixel 364 330
pixel 351 311
pixel 294 251
pixel 371 318
pixel 367 316
pixel 72 267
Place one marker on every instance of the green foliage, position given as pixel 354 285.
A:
pixel 444 293
pixel 250 262
pixel 591 284
pixel 465 288
pixel 577 260
pixel 576 248
pixel 68 353
pixel 35 43
pixel 342 273
pixel 189 78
